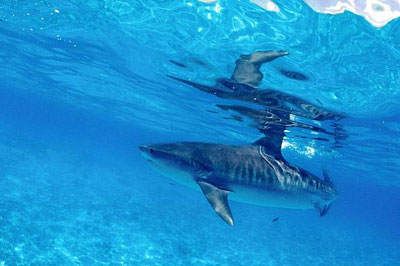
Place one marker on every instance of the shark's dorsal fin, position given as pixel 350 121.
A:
pixel 247 69
pixel 270 145
pixel 218 199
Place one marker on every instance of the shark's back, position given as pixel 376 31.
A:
pixel 231 164
pixel 239 167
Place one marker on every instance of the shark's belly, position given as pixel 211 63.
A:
pixel 272 197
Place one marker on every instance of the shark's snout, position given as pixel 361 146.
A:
pixel 147 151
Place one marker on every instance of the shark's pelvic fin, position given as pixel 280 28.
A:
pixel 322 210
pixel 327 178
pixel 218 199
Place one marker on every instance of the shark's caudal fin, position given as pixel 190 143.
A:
pixel 218 199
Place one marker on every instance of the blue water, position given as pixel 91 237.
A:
pixel 83 83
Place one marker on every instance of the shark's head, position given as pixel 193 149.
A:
pixel 173 160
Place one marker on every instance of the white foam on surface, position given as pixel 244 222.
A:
pixel 376 12
pixel 267 5
pixel 207 1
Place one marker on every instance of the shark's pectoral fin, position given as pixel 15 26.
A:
pixel 218 199
pixel 322 209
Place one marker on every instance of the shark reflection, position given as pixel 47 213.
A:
pixel 278 108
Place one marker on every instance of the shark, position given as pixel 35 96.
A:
pixel 255 174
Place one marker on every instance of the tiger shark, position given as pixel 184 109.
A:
pixel 254 174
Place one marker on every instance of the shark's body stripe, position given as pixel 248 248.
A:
pixel 246 175
pixel 235 173
pixel 239 172
pixel 260 176
pixel 256 176
pixel 227 170
pixel 250 173
pixel 270 176
pixel 243 173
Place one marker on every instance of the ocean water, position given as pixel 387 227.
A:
pixel 84 83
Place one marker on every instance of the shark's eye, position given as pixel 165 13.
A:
pixel 151 151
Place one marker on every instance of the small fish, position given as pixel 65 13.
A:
pixel 275 219
pixel 293 74
pixel 234 117
pixel 178 64
pixel 212 111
